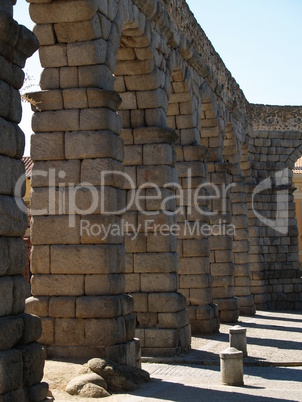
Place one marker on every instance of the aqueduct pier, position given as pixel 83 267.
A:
pixel 136 87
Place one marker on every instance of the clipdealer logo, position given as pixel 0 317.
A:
pixel 277 184
pixel 84 199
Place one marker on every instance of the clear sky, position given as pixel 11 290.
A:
pixel 260 42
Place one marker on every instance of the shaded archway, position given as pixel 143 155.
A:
pixel 235 153
pixel 142 80
pixel 213 124
pixel 192 244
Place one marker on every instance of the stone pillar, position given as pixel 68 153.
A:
pixel 21 358
pixel 195 279
pixel 78 270
pixel 237 339
pixel 221 244
pixel 152 269
pixel 231 367
pixel 257 248
pixel 242 275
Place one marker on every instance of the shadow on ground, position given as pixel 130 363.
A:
pixel 169 391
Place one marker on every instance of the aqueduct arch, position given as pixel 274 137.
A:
pixel 124 89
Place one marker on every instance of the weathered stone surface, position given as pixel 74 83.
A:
pixel 45 34
pixel 15 178
pixel 12 139
pixel 108 369
pixel 75 98
pixel 32 329
pixel 37 306
pixel 60 120
pixel 6 296
pixel 53 56
pixel 105 331
pixel 13 219
pixel 17 256
pixel 154 135
pixel 52 173
pixel 47 146
pixel 40 262
pixel 69 331
pixel 93 391
pixel 60 230
pixel 46 100
pixel 62 307
pixel 99 98
pixel 93 144
pixel 38 392
pixel 11 74
pixel 111 284
pixel 78 31
pixel 11 329
pixel 33 364
pixel 155 262
pixel 74 386
pixel 19 294
pixel 87 53
pixel 100 119
pixel 166 302
pixel 97 76
pixel 57 285
pixel 98 307
pixel 48 12
pixel 26 45
pixel 11 370
pixel 50 78
pixel 159 282
pixel 84 259
pixel 4 256
pixel 91 172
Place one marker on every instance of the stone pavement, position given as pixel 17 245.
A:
pixel 272 372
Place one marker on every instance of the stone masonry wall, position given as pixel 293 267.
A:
pixel 21 357
pixel 135 86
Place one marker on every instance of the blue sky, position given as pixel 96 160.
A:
pixel 258 40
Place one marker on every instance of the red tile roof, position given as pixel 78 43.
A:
pixel 298 166
pixel 28 163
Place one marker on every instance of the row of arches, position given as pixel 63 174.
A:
pixel 175 130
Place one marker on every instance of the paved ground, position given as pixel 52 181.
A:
pixel 272 372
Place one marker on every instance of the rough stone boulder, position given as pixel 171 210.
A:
pixel 74 386
pixel 102 377
pixel 93 391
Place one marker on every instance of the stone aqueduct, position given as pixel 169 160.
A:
pixel 136 86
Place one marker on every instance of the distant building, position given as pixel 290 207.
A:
pixel 297 182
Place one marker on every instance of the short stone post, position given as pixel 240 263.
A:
pixel 238 338
pixel 231 367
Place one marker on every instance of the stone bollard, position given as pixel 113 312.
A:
pixel 238 338
pixel 231 367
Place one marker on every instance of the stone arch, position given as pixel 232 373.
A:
pixel 245 163
pixel 193 248
pixel 230 152
pixel 233 148
pixel 212 124
pixel 142 81
pixel 213 135
pixel 183 105
pixel 293 157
